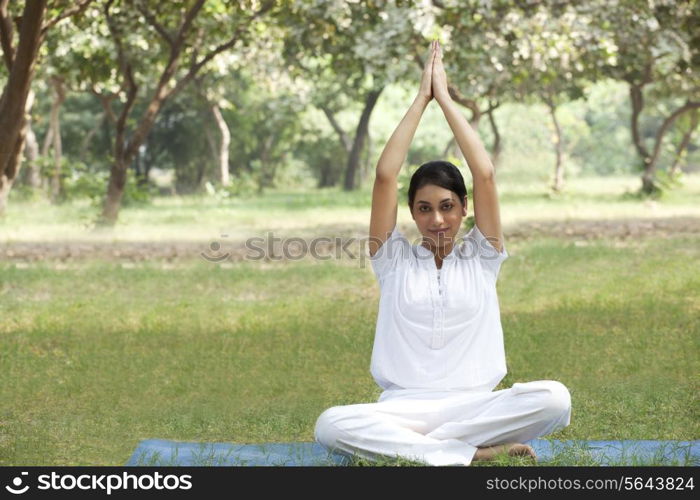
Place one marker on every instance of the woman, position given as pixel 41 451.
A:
pixel 438 348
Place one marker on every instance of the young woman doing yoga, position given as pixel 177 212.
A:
pixel 438 349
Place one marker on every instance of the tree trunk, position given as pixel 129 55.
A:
pixel 223 145
pixel 199 179
pixel 496 148
pixel 558 182
pixel 168 85
pixel 683 146
pixel 360 135
pixel 344 138
pixel 115 192
pixel 450 148
pixel 213 147
pixel 32 174
pixel 268 168
pixel 326 178
pixel 8 178
pixel 14 96
pixel 48 140
pixel 146 179
pixel 366 164
pixel 637 99
pixel 85 143
pixel 5 186
pixel 136 164
pixel 55 127
pixel 126 151
pixel 649 185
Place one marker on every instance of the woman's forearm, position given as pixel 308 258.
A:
pixel 469 143
pixel 396 149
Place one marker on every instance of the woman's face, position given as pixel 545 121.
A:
pixel 436 208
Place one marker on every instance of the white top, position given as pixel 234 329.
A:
pixel 438 329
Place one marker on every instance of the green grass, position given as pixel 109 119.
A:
pixel 96 356
pixel 99 357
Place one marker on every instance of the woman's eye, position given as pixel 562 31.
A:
pixel 444 207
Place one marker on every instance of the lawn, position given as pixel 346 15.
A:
pixel 97 355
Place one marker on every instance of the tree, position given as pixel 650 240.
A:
pixel 657 48
pixel 505 49
pixel 188 35
pixel 223 88
pixel 20 59
pixel 351 51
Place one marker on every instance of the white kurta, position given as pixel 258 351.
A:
pixel 438 354
pixel 438 334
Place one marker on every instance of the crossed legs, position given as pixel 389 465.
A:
pixel 445 427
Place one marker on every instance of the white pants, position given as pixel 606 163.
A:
pixel 440 427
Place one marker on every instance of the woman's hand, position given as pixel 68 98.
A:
pixel 440 90
pixel 426 83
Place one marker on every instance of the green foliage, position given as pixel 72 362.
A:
pixel 324 156
pixel 423 151
pixel 179 141
pixel 668 181
pixel 82 183
pixel 25 193
pixel 404 182
pixel 469 222
pixel 342 49
pixel 242 185
pixel 136 193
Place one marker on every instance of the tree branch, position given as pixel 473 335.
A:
pixel 162 91
pixel 150 18
pixel 344 139
pixel 106 101
pixel 688 106
pixel 76 9
pixel 194 68
pixel 185 26
pixel 127 72
pixel 470 104
pixel 637 98
pixel 8 52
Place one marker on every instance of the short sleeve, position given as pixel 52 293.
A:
pixel 390 254
pixel 489 257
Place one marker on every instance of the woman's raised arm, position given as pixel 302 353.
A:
pixel 385 192
pixel 487 215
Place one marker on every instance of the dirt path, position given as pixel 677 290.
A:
pixel 575 230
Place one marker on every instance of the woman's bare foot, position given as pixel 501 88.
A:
pixel 512 449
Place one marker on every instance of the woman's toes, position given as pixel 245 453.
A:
pixel 521 450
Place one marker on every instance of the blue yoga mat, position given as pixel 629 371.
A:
pixel 156 452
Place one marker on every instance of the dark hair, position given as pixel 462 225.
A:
pixel 438 172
